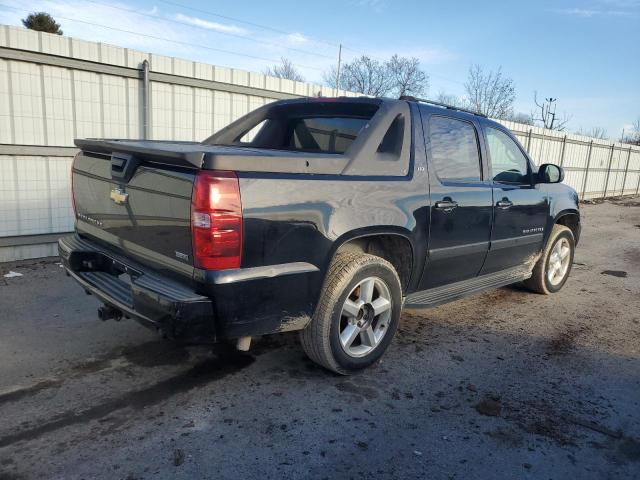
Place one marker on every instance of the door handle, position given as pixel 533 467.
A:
pixel 504 203
pixel 446 205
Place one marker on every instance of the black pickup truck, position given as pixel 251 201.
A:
pixel 321 215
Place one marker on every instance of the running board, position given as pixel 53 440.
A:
pixel 465 288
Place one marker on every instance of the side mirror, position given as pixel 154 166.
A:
pixel 550 173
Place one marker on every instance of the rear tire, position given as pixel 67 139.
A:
pixel 554 265
pixel 357 314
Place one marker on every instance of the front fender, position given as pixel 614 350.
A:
pixel 563 201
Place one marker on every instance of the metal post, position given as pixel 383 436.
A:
pixel 541 157
pixel 606 181
pixel 626 168
pixel 586 173
pixel 638 185
pixel 338 69
pixel 146 96
pixel 529 142
pixel 564 147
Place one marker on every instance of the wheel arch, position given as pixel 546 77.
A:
pixel 392 243
pixel 570 218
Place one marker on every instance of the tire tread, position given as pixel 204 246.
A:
pixel 315 337
pixel 537 281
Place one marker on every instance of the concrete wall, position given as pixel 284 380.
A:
pixel 54 89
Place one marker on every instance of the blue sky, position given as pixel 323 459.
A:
pixel 584 53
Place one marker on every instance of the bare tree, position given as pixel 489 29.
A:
pixel 594 132
pixel 490 93
pixel 520 117
pixel 546 114
pixel 407 77
pixel 632 137
pixel 285 69
pixel 330 78
pixel 450 99
pixel 635 132
pixel 364 75
pixel 397 76
pixel 461 102
pixel 42 22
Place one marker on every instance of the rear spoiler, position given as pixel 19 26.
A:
pixel 126 155
pixel 183 154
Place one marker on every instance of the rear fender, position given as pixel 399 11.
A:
pixel 359 237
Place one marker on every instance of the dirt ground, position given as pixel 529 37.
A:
pixel 507 384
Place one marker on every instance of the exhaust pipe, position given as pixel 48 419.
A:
pixel 243 344
pixel 107 312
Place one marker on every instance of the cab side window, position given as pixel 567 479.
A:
pixel 454 149
pixel 508 163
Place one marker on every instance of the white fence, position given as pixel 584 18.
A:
pixel 54 89
pixel 595 168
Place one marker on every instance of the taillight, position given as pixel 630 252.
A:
pixel 216 220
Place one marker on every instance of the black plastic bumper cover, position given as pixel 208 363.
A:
pixel 138 292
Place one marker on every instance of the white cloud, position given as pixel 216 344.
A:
pixel 588 13
pixel 375 5
pixel 579 12
pixel 101 23
pixel 297 38
pixel 156 31
pixel 604 8
pixel 622 3
pixel 209 25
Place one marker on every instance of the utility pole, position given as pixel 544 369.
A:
pixel 551 102
pixel 338 69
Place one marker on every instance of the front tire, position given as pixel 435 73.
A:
pixel 554 265
pixel 357 314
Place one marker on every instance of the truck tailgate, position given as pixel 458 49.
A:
pixel 138 206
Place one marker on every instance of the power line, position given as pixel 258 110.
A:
pixel 178 42
pixel 210 30
pixel 234 19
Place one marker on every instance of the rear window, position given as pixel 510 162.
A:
pixel 314 126
pixel 324 134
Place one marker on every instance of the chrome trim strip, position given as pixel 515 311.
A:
pixel 223 277
pixel 516 241
pixel 458 250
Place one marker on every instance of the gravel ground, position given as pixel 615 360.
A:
pixel 508 384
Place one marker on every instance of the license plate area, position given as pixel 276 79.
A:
pixel 99 262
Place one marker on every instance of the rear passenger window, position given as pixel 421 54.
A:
pixel 454 149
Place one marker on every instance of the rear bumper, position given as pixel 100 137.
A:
pixel 217 304
pixel 152 299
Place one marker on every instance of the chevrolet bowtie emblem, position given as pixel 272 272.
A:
pixel 119 196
